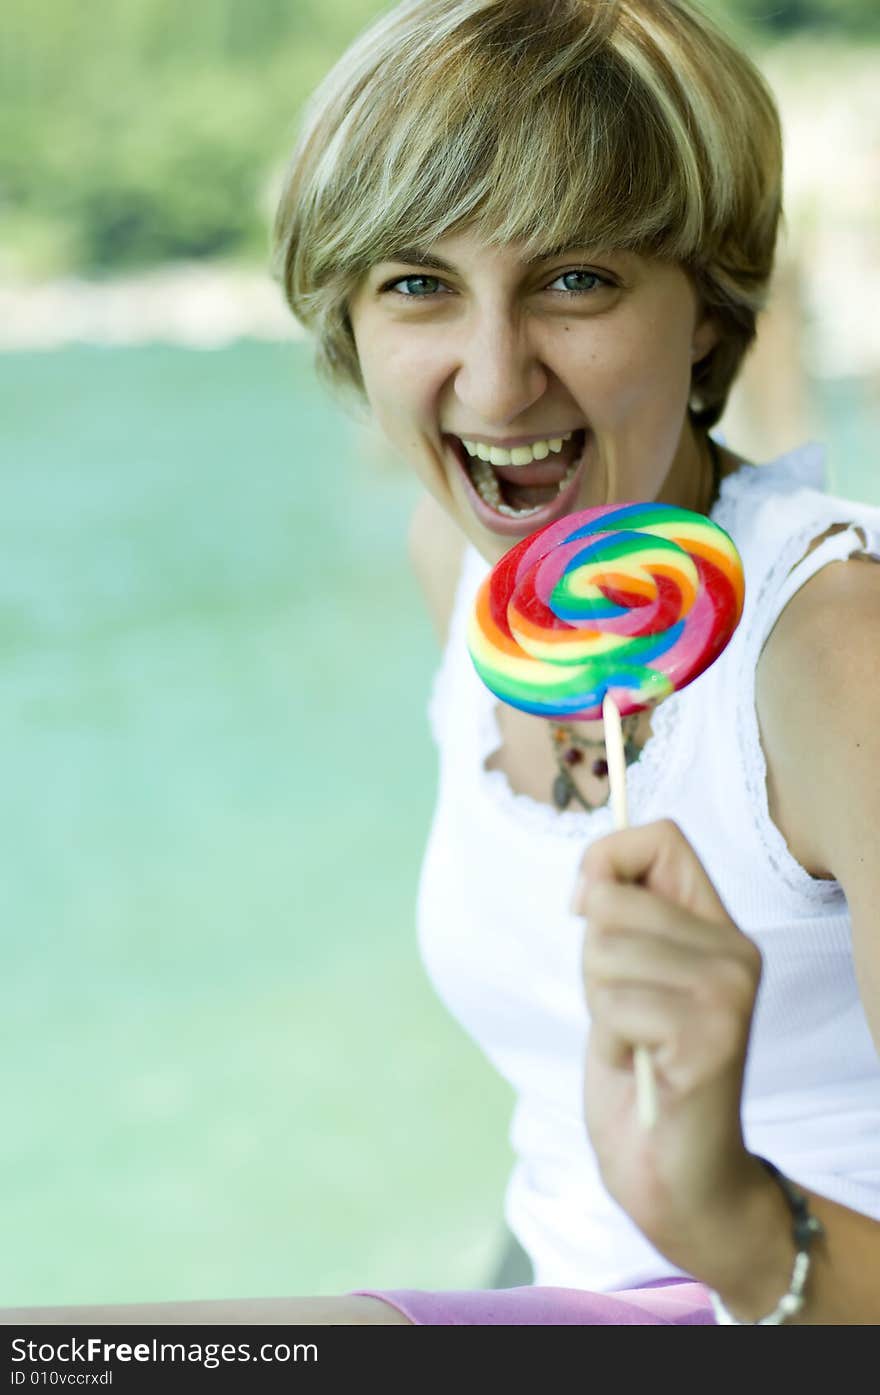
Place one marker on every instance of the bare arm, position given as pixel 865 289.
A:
pixel 665 965
pixel 818 697
pixel 817 691
pixel 818 687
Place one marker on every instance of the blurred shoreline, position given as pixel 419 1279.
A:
pixel 199 305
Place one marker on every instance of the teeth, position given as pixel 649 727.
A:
pixel 519 455
pixel 489 489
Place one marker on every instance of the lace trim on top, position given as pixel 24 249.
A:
pixel 789 566
pixel 658 760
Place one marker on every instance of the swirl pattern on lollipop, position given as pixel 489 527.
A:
pixel 634 599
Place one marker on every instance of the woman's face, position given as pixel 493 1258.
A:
pixel 464 343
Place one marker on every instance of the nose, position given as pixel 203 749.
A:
pixel 499 374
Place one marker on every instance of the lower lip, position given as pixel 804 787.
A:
pixel 530 523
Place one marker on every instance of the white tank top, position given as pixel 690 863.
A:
pixel 503 950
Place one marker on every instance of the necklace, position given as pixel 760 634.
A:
pixel 568 747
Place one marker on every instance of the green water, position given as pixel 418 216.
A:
pixel 849 419
pixel 224 1072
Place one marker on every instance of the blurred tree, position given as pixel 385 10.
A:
pixel 789 16
pixel 147 130
pixel 132 131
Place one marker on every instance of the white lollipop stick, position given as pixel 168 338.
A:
pixel 646 1087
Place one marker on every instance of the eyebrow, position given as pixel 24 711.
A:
pixel 417 256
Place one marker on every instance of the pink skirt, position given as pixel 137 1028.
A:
pixel 674 1302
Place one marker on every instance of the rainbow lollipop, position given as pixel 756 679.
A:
pixel 633 600
pixel 603 613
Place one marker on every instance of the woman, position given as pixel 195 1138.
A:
pixel 534 236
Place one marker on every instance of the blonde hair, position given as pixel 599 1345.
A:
pixel 610 123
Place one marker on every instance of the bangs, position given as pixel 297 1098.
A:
pixel 523 147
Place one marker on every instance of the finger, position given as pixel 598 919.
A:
pixel 613 908
pixel 623 1016
pixel 660 858
pixel 722 989
pixel 688 1045
pixel 642 958
pixel 717 964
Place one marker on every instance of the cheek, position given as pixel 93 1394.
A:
pixel 396 399
pixel 646 367
pixel 400 381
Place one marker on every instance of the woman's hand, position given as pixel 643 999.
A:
pixel 665 967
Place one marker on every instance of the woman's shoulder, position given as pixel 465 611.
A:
pixel 816 685
pixel 436 548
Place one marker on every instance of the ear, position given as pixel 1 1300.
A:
pixel 706 336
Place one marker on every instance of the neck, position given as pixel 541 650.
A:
pixel 690 483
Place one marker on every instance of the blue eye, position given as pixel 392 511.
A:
pixel 417 286
pixel 591 276
pixel 431 282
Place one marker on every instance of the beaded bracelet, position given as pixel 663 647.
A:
pixel 805 1229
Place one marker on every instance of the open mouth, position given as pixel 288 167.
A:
pixel 511 498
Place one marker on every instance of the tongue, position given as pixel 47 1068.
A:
pixel 523 496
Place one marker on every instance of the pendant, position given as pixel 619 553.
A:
pixel 562 790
